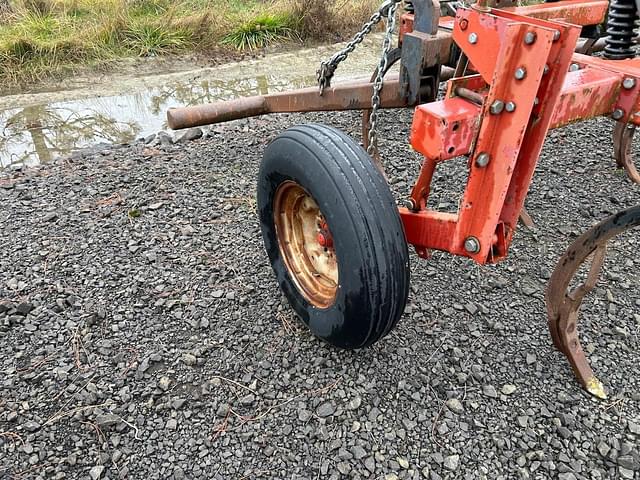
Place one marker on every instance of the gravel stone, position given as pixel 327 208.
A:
pixel 455 405
pixel 96 472
pixel 452 462
pixel 326 409
pixel 119 298
pixel 508 389
pixel 490 391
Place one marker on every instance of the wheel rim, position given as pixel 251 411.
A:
pixel 306 244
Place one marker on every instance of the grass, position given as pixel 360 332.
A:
pixel 44 38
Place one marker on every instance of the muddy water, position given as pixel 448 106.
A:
pixel 37 127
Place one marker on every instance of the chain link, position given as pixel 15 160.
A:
pixel 379 81
pixel 328 68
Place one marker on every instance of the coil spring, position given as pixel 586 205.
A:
pixel 408 6
pixel 621 29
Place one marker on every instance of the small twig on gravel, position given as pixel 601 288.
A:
pixel 615 404
pixel 72 412
pixel 136 357
pixel 99 434
pixel 244 419
pixel 222 427
pixel 135 429
pixel 13 436
pixel 435 424
pixel 437 348
pixel 233 382
pixel 77 346
pixel 286 324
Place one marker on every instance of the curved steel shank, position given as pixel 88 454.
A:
pixel 622 138
pixel 563 306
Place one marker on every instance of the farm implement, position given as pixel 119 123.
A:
pixel 337 240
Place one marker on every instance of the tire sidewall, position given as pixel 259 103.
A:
pixel 286 160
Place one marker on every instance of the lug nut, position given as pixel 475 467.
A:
pixel 521 72
pixel 617 114
pixel 482 160
pixel 496 107
pixel 473 38
pixel 472 245
pixel 529 38
pixel 510 107
pixel 628 83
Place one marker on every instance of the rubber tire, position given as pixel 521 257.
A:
pixel 369 240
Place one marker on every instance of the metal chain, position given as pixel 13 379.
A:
pixel 379 81
pixel 328 68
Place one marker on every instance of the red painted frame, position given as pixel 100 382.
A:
pixel 504 137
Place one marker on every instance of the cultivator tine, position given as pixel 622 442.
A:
pixel 622 138
pixel 563 306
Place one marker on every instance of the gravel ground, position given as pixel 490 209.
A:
pixel 142 334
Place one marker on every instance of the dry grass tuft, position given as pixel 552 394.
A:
pixel 40 38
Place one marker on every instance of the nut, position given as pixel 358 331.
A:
pixel 530 38
pixel 521 72
pixel 496 107
pixel 472 245
pixel 482 160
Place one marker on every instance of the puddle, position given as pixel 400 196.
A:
pixel 35 128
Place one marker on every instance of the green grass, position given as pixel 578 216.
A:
pixel 43 38
pixel 261 31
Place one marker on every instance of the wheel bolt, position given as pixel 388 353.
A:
pixel 325 240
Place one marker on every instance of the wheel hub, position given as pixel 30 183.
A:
pixel 306 244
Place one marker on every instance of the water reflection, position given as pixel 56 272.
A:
pixel 38 133
pixel 41 130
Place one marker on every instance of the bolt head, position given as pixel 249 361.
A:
pixel 510 107
pixel 521 72
pixel 556 35
pixel 628 83
pixel 536 101
pixel 617 114
pixel 482 160
pixel 546 69
pixel 473 38
pixel 472 245
pixel 530 38
pixel 496 107
pixel 574 67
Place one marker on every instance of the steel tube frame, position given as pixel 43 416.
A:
pixel 548 96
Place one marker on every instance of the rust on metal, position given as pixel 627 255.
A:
pixel 346 96
pixel 622 139
pixel 306 244
pixel 563 305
